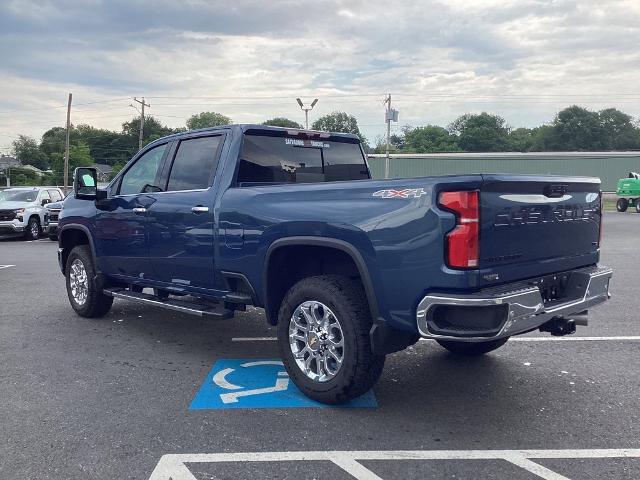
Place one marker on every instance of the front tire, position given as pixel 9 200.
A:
pixel 85 295
pixel 323 338
pixel 469 349
pixel 622 204
pixel 637 204
pixel 33 229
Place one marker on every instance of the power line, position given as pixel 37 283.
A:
pixel 64 106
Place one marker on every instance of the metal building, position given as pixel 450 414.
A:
pixel 608 166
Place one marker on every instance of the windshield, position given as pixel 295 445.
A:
pixel 268 159
pixel 18 196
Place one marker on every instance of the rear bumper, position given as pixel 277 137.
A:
pixel 511 309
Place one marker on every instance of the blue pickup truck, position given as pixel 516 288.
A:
pixel 349 268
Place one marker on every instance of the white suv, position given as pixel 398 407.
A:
pixel 22 211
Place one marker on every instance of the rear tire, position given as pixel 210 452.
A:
pixel 340 303
pixel 622 204
pixel 84 292
pixel 469 349
pixel 33 229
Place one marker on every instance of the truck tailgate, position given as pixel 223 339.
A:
pixel 549 221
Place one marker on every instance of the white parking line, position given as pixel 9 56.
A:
pixel 172 466
pixel 6 266
pixel 518 339
pixel 576 339
pixel 253 339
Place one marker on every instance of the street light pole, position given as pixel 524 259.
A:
pixel 306 110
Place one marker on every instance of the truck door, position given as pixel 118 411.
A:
pixel 121 222
pixel 181 220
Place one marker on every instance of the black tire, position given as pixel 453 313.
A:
pixel 622 204
pixel 637 204
pixel 360 368
pixel 469 349
pixel 33 229
pixel 97 303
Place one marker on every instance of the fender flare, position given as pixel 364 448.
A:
pixel 86 231
pixel 329 242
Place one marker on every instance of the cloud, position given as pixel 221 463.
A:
pixel 521 59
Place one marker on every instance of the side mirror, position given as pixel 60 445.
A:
pixel 85 183
pixel 45 201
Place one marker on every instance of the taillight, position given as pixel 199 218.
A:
pixel 463 241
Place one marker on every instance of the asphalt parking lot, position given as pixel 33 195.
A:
pixel 110 398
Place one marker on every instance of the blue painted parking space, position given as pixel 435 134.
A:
pixel 258 383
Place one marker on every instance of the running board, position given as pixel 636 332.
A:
pixel 192 308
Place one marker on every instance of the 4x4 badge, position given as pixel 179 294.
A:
pixel 406 193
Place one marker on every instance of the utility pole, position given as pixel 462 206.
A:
pixel 306 110
pixel 66 147
pixel 390 115
pixel 142 104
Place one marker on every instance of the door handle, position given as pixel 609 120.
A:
pixel 199 209
pixel 139 210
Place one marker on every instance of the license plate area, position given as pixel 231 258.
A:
pixel 561 288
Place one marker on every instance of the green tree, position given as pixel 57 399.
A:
pixel 282 122
pixel 482 132
pixel 105 146
pixel 23 177
pixel 53 141
pixel 27 151
pixel 79 156
pixel 429 139
pixel 153 130
pixel 578 129
pixel 521 140
pixel 396 143
pixel 207 119
pixel 618 130
pixel 340 122
pixel 544 138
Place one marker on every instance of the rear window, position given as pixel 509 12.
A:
pixel 267 159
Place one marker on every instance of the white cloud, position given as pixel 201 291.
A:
pixel 524 60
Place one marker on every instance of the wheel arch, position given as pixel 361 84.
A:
pixel 72 235
pixel 325 244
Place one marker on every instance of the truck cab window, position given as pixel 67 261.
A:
pixel 266 159
pixel 194 164
pixel 141 177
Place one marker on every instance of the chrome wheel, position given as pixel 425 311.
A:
pixel 35 230
pixel 316 341
pixel 78 282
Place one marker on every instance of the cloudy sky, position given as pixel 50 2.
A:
pixel 524 60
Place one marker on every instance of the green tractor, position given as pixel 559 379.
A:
pixel 629 187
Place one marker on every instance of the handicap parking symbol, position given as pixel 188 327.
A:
pixel 258 383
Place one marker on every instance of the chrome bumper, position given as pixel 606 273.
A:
pixel 526 310
pixel 10 227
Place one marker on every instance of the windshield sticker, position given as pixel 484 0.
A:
pixel 297 142
pixel 406 193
